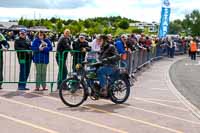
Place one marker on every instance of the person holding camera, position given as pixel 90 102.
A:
pixel 41 47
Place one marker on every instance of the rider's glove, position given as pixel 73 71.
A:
pixel 105 60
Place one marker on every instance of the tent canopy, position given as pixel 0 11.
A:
pixel 16 27
pixel 39 28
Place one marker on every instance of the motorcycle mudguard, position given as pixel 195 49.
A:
pixel 124 74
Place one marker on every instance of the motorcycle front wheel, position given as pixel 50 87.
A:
pixel 119 91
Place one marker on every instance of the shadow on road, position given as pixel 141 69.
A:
pixel 21 93
pixel 95 108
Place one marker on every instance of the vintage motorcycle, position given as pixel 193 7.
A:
pixel 84 83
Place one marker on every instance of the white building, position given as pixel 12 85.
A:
pixel 8 24
pixel 152 27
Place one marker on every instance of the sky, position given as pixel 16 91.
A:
pixel 142 10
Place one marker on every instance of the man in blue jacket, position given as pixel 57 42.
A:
pixel 121 48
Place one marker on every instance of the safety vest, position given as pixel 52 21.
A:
pixel 193 47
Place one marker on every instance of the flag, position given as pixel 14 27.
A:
pixel 165 18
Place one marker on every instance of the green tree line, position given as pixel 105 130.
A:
pixel 190 25
pixel 115 25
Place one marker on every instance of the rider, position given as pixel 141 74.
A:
pixel 109 57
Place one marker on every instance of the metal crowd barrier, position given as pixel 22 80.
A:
pixel 54 72
pixel 139 58
pixel 179 48
pixel 11 67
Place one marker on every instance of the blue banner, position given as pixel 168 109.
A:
pixel 165 19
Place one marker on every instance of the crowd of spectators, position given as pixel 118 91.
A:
pixel 42 43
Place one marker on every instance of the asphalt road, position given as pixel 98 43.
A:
pixel 151 108
pixel 185 75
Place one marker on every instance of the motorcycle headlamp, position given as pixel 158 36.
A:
pixel 78 66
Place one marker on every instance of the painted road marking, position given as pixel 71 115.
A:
pixel 141 109
pixel 159 100
pixel 158 89
pixel 193 64
pixel 157 113
pixel 64 115
pixel 135 120
pixel 181 98
pixel 27 123
pixel 161 104
pixel 118 115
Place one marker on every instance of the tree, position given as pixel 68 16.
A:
pixel 92 25
pixel 123 24
pixel 26 23
pixel 37 23
pixel 49 25
pixel 75 28
pixel 191 23
pixel 107 30
pixel 175 27
pixel 136 30
pixel 21 21
pixel 53 20
pixel 68 22
pixel 195 22
pixel 31 23
pixel 59 26
pixel 87 24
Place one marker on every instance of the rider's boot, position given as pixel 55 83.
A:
pixel 104 92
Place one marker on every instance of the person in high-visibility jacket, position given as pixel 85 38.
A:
pixel 193 49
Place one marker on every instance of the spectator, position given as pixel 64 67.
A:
pixel 148 43
pixel 141 43
pixel 110 39
pixel 41 47
pixel 96 45
pixel 92 56
pixel 24 58
pixel 193 49
pixel 122 49
pixel 31 36
pixel 64 44
pixel 142 40
pixel 80 45
pixel 131 43
pixel 53 38
pixel 171 47
pixel 154 44
pixel 5 47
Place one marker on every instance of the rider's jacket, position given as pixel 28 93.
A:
pixel 109 55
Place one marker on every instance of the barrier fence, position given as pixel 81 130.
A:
pixel 60 65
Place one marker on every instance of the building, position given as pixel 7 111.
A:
pixel 8 24
pixel 152 27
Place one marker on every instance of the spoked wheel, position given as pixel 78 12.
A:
pixel 120 91
pixel 72 92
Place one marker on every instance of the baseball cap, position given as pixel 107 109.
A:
pixel 22 31
pixel 82 35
